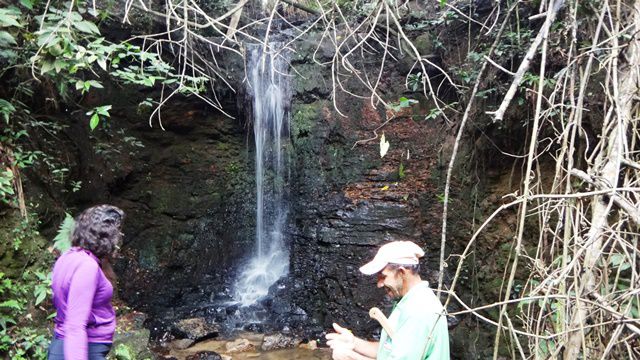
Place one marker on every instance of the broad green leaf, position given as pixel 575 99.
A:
pixel 46 67
pixel 79 85
pixel 95 84
pixel 149 81
pixel 95 120
pixel 59 65
pixel 103 63
pixel 41 295
pixel 75 17
pixel 87 27
pixel 27 3
pixel 103 110
pixel 7 39
pixel 7 19
pixel 619 260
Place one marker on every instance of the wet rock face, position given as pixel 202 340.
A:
pixel 189 195
pixel 349 201
pixel 187 192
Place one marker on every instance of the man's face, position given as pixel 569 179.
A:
pixel 391 280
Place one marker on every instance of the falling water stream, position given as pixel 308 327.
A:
pixel 268 88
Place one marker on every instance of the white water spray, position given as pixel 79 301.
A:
pixel 269 92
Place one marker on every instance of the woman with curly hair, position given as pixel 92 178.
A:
pixel 82 288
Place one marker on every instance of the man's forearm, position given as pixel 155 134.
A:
pixel 367 348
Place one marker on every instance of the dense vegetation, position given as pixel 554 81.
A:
pixel 563 76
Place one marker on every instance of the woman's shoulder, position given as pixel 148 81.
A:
pixel 78 257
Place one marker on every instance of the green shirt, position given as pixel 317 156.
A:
pixel 420 328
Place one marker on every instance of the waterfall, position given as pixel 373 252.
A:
pixel 268 88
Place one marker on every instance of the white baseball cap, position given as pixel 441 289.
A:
pixel 396 252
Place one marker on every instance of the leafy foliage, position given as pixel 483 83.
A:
pixel 19 337
pixel 123 352
pixel 62 241
pixel 6 185
pixel 53 55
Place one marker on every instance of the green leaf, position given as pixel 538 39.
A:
pixel 59 65
pixel 62 241
pixel 6 109
pixel 80 85
pixel 95 120
pixel 12 304
pixel 7 39
pixel 618 260
pixel 7 19
pixel 103 63
pixel 401 173
pixel 404 102
pixel 4 320
pixel 46 67
pixel 149 81
pixel 41 294
pixel 87 27
pixel 103 110
pixel 95 84
pixel 27 3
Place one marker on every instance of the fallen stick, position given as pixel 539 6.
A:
pixel 377 314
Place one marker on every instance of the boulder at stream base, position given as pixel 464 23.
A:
pixel 196 329
pixel 181 344
pixel 205 355
pixel 239 345
pixel 279 341
pixel 133 343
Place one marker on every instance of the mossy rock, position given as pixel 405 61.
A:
pixel 131 345
pixel 304 119
pixel 20 243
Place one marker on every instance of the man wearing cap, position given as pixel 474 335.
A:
pixel 418 321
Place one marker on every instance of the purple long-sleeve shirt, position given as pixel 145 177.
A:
pixel 82 296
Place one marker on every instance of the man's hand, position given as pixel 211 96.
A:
pixel 342 339
pixel 341 353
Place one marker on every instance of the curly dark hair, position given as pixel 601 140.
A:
pixel 97 229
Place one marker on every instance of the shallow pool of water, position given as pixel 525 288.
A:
pixel 256 354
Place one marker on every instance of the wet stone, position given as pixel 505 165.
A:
pixel 239 345
pixel 196 329
pixel 279 341
pixel 205 355
pixel 181 344
pixel 254 327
